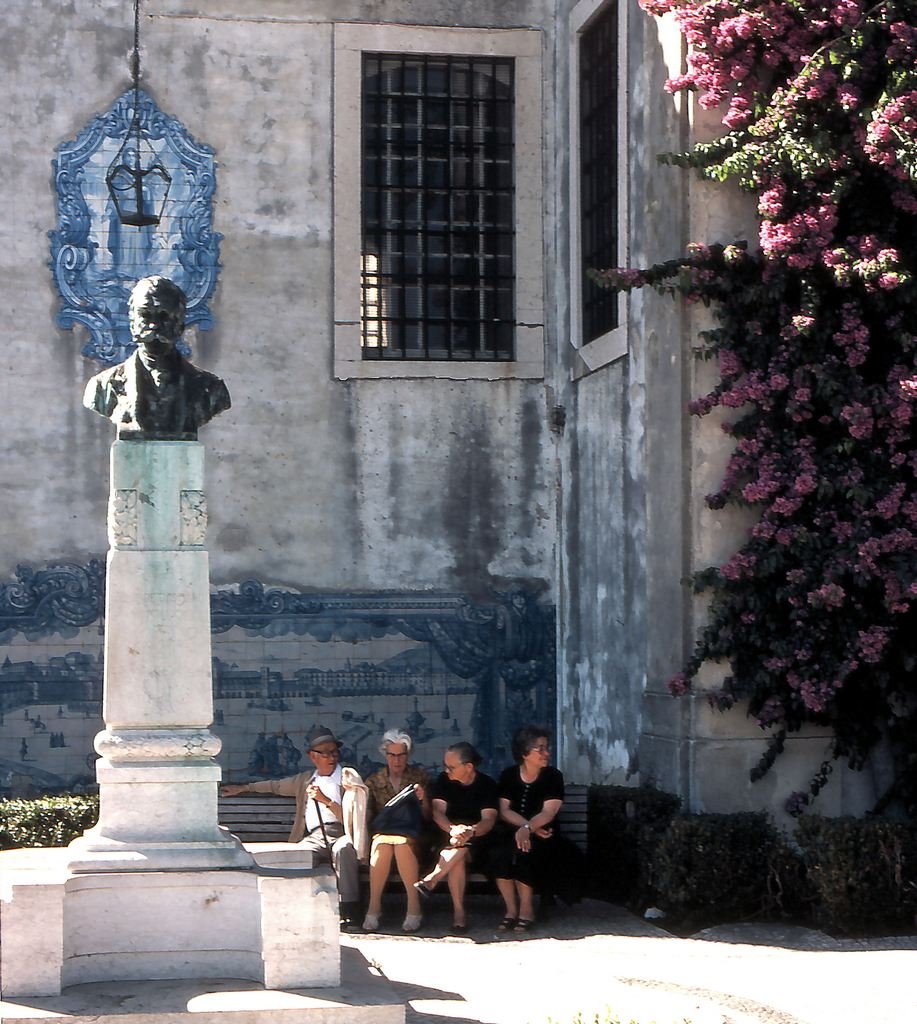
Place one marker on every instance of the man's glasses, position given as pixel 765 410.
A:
pixel 325 753
pixel 544 749
pixel 388 753
pixel 450 768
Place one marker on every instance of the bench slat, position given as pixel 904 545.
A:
pixel 266 817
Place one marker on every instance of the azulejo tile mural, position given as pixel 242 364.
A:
pixel 96 259
pixel 440 665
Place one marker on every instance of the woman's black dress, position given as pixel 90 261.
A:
pixel 464 806
pixel 553 866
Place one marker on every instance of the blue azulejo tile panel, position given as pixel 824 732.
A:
pixel 439 665
pixel 96 260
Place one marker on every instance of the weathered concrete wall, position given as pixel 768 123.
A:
pixel 622 519
pixel 312 482
pixel 358 489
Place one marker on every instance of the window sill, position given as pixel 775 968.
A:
pixel 529 365
pixel 600 352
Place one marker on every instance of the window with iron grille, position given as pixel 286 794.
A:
pixel 598 106
pixel 437 212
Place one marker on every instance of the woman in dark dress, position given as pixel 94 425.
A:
pixel 465 810
pixel 532 855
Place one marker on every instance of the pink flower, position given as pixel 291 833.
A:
pixel 678 685
pixel 859 420
pixel 829 595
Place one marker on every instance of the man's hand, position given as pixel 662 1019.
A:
pixel 314 792
pixel 231 790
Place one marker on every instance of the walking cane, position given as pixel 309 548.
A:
pixel 321 825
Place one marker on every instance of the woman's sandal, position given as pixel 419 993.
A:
pixel 507 924
pixel 522 925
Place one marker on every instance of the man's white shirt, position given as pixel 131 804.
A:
pixel 330 785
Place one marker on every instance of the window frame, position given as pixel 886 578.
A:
pixel 613 344
pixel 351 41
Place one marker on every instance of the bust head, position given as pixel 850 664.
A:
pixel 156 311
pixel 155 394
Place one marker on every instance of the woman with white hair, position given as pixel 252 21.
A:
pixel 396 748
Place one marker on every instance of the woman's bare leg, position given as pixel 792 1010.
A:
pixel 408 870
pixel 507 889
pixel 526 902
pixel 456 881
pixel 444 865
pixel 380 864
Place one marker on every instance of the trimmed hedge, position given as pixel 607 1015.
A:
pixel 625 824
pixel 46 821
pixel 722 867
pixel 846 875
pixel 863 872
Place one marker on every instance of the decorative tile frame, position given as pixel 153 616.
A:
pixel 95 260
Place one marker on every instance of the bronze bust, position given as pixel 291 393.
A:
pixel 156 394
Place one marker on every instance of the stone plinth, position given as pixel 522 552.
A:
pixel 274 926
pixel 360 997
pixel 157 777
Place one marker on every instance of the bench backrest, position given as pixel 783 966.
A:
pixel 258 817
pixel 266 818
pixel 573 814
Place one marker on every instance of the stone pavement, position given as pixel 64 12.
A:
pixel 595 958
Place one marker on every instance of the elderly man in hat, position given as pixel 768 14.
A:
pixel 330 814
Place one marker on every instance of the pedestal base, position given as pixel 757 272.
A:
pixel 275 926
pixel 361 998
pixel 89 854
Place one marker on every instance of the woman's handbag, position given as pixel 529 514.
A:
pixel 401 816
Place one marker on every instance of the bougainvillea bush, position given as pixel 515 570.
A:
pixel 815 341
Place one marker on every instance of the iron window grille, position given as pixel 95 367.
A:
pixel 437 275
pixel 598 85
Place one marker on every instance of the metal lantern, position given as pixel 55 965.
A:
pixel 136 179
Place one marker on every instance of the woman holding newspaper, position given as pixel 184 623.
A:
pixel 384 788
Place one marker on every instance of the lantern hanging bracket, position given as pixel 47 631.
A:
pixel 137 181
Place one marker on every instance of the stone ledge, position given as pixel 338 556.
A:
pixel 362 998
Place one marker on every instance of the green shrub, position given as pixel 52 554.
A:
pixel 863 872
pixel 46 821
pixel 625 825
pixel 711 868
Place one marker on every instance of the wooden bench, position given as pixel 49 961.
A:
pixel 266 818
pixel 258 817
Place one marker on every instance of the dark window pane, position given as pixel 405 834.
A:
pixel 598 167
pixel 438 207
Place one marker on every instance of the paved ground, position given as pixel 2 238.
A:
pixel 602 963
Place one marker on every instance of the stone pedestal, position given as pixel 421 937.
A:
pixel 157 778
pixel 273 926
pixel 361 997
pixel 157 891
